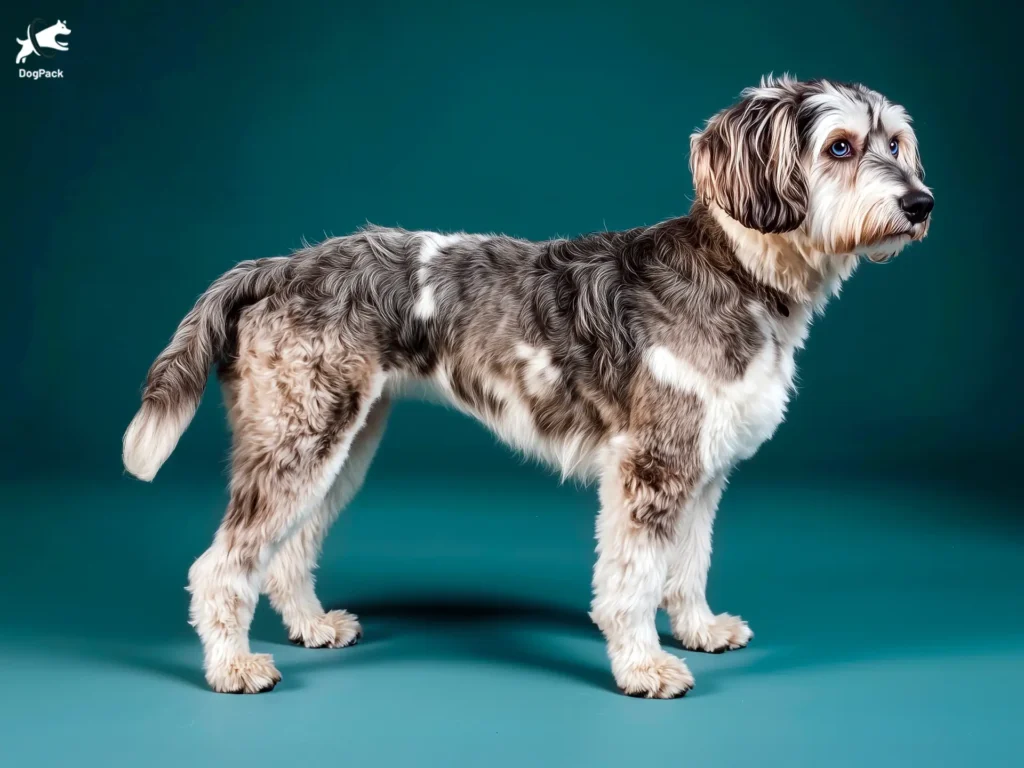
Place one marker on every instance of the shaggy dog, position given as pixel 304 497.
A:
pixel 654 360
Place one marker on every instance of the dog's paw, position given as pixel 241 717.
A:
pixel 251 673
pixel 723 633
pixel 663 676
pixel 334 629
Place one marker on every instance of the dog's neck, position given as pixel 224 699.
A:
pixel 786 262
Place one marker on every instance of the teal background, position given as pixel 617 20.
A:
pixel 875 544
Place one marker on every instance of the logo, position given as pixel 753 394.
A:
pixel 41 41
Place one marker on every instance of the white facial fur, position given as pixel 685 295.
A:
pixel 853 202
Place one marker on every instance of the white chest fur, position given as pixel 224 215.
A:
pixel 739 415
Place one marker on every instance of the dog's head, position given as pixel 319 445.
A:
pixel 835 165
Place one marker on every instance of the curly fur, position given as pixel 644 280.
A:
pixel 653 359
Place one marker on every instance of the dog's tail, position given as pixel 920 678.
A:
pixel 178 376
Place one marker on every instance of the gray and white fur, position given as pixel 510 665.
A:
pixel 653 360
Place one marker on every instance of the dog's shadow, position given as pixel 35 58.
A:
pixel 510 633
pixel 553 640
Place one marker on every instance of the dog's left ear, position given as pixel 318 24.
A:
pixel 747 159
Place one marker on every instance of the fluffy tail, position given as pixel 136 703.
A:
pixel 178 376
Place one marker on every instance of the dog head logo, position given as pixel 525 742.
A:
pixel 39 39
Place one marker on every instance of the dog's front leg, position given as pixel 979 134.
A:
pixel 693 623
pixel 640 501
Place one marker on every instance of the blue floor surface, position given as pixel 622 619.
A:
pixel 889 632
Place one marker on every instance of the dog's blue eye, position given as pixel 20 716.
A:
pixel 840 148
pixel 894 148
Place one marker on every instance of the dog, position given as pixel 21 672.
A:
pixel 46 38
pixel 652 360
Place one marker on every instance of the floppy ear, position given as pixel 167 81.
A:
pixel 747 160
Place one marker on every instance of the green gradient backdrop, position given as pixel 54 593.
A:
pixel 186 137
pixel 182 141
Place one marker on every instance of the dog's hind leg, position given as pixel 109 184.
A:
pixel 290 582
pixel 298 401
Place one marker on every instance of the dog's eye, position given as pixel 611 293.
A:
pixel 840 148
pixel 894 148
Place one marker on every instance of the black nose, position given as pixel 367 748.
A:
pixel 917 206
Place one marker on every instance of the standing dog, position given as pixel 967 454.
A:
pixel 655 359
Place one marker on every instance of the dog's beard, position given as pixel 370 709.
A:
pixel 886 250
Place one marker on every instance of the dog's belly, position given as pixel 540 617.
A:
pixel 514 416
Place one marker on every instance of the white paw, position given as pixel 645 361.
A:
pixel 334 629
pixel 662 676
pixel 252 673
pixel 723 633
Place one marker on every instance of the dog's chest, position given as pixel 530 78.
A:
pixel 737 416
pixel 740 416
